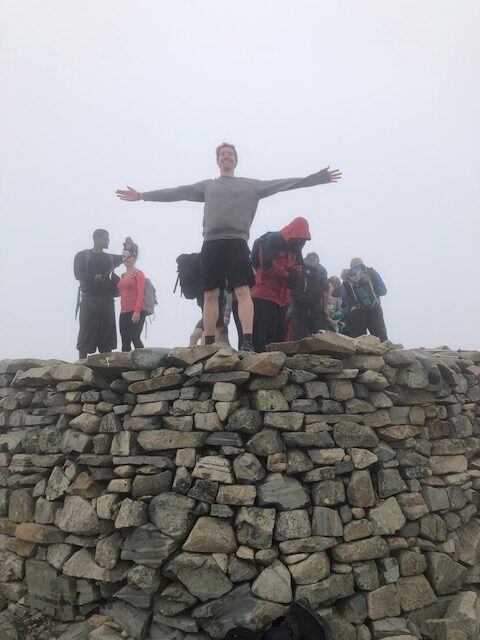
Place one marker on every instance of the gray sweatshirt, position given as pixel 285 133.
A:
pixel 231 203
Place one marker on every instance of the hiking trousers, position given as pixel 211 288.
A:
pixel 307 320
pixel 97 325
pixel 268 320
pixel 130 331
pixel 361 320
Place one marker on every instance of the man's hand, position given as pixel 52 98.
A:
pixel 135 317
pixel 333 175
pixel 130 194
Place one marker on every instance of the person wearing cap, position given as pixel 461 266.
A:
pixel 230 206
pixel 277 260
pixel 132 305
pixel 309 309
pixel 94 269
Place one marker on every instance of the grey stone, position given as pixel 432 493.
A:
pixel 136 621
pixel 82 565
pixel 173 514
pixel 360 489
pixel 237 608
pixel 327 591
pixel 200 574
pixel 388 570
pixel 292 524
pixel 149 546
pixel 265 443
pixel 415 592
pixel 387 518
pixel 412 505
pixel 366 576
pixel 248 468
pixel 328 493
pixel 367 549
pixel 314 568
pixel 164 439
pixel 174 599
pixel 389 483
pixel 269 400
pixel 326 522
pixel 282 492
pixel 132 513
pixel 245 421
pixel 445 575
pixel 288 421
pixel 349 434
pixel 78 516
pixel 152 484
pixel 383 602
pixel 254 527
pixel 435 498
pixel 214 468
pixel 211 535
pixel 274 584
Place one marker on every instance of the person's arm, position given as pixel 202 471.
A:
pixel 192 192
pixel 267 188
pixel 378 283
pixel 117 260
pixel 140 280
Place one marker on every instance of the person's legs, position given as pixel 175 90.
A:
pixel 376 323
pixel 356 324
pixel 245 308
pixel 238 324
pixel 107 335
pixel 265 323
pixel 240 278
pixel 90 325
pixel 196 334
pixel 210 314
pixel 136 331
pixel 124 324
pixel 299 322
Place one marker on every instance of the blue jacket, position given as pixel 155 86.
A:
pixel 348 301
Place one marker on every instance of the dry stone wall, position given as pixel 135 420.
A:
pixel 184 492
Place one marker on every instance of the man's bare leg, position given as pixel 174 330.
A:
pixel 210 314
pixel 245 313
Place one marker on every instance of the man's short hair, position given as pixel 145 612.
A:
pixel 356 262
pixel 226 144
pixel 98 233
pixel 313 257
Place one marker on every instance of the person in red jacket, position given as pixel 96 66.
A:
pixel 132 306
pixel 277 260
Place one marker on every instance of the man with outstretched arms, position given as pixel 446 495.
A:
pixel 230 207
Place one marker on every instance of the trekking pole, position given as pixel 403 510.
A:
pixel 176 284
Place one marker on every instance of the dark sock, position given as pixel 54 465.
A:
pixel 209 339
pixel 247 337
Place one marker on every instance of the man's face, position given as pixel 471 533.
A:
pixel 296 243
pixel 104 240
pixel 226 159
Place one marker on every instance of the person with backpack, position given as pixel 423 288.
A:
pixel 309 309
pixel 133 308
pixel 230 206
pixel 361 290
pixel 277 261
pixel 94 269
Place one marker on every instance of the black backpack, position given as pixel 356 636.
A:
pixel 309 286
pixel 189 275
pixel 300 623
pixel 363 290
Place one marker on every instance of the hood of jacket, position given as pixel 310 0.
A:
pixel 297 228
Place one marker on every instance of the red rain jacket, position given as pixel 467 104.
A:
pixel 272 258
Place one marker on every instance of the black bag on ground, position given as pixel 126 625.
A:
pixel 300 623
pixel 189 275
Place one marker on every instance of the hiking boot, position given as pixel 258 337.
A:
pixel 247 345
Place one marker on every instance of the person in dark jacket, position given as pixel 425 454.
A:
pixel 94 269
pixel 361 290
pixel 309 309
pixel 277 261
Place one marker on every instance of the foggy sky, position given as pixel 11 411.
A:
pixel 97 95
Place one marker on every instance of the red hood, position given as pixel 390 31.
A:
pixel 297 228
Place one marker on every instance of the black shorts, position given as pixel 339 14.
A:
pixel 226 262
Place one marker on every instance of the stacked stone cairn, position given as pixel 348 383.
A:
pixel 180 493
